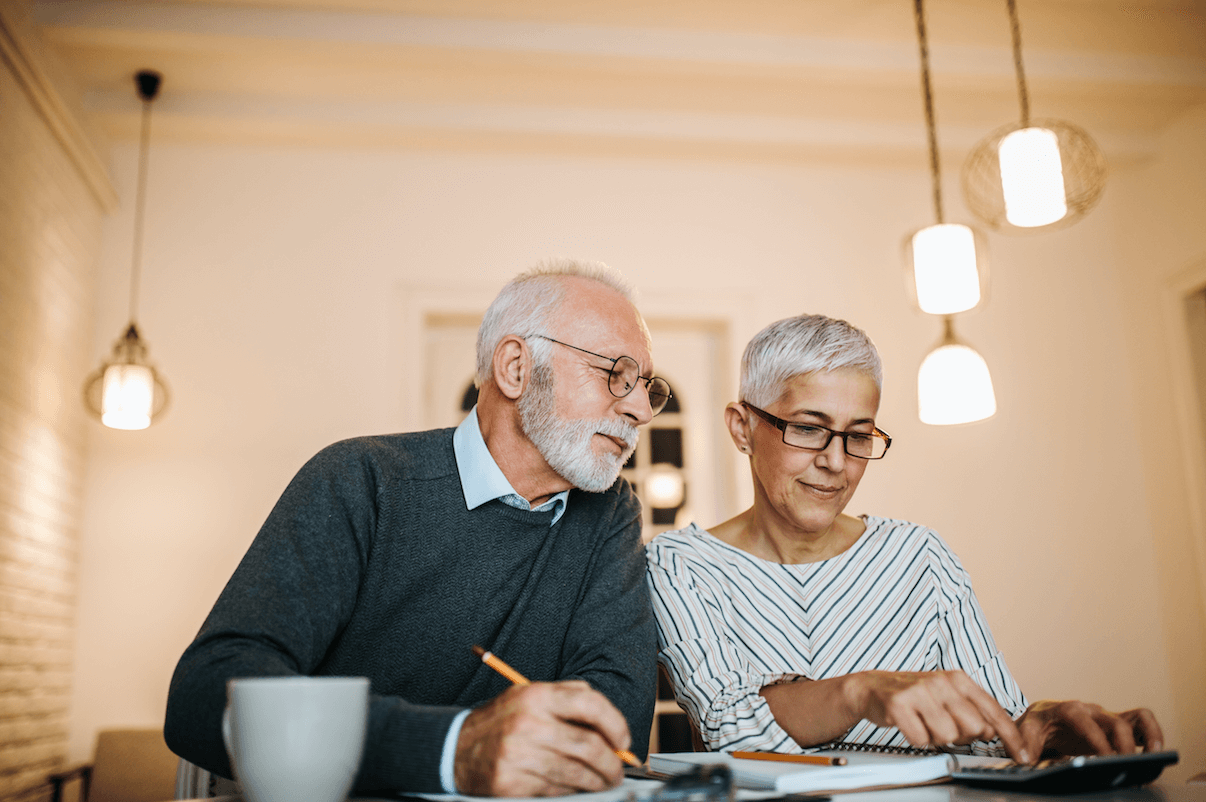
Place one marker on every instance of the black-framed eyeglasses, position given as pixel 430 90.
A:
pixel 623 376
pixel 809 436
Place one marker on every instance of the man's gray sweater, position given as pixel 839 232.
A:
pixel 370 565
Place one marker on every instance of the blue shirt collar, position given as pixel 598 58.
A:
pixel 481 478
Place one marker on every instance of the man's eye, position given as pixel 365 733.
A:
pixel 616 378
pixel 857 437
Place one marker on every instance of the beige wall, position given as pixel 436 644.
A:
pixel 1162 261
pixel 50 225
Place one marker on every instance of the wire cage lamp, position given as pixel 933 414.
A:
pixel 1034 174
pixel 127 392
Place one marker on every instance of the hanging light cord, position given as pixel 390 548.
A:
pixel 928 95
pixel 1016 31
pixel 139 205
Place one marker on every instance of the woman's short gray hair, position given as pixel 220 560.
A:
pixel 524 305
pixel 799 345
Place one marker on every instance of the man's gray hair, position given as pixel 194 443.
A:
pixel 800 345
pixel 524 305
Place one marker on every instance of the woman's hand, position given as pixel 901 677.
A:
pixel 931 708
pixel 935 708
pixel 1083 728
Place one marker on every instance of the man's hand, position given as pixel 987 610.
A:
pixel 934 708
pixel 1082 728
pixel 544 739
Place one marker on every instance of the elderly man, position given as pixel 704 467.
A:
pixel 390 556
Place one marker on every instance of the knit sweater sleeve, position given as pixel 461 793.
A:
pixel 612 639
pixel 284 606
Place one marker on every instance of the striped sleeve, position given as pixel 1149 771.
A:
pixel 965 642
pixel 713 681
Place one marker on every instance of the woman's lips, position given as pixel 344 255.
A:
pixel 824 491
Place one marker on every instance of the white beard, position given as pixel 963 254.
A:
pixel 566 444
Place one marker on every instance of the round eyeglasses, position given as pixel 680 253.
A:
pixel 864 445
pixel 623 376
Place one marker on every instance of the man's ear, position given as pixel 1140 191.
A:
pixel 512 366
pixel 737 419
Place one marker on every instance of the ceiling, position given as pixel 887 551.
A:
pixel 812 80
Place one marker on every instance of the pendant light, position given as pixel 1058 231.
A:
pixel 944 261
pixel 953 384
pixel 127 392
pixel 948 272
pixel 1032 175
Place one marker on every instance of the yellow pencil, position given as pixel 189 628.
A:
pixel 814 760
pixel 490 659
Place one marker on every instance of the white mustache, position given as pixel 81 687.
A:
pixel 617 428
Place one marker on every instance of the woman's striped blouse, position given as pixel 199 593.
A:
pixel 730 623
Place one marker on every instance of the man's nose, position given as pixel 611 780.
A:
pixel 636 406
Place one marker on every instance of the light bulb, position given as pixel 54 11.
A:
pixel 664 487
pixel 1032 178
pixel 127 396
pixel 954 386
pixel 944 269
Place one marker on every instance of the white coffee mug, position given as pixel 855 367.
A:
pixel 295 739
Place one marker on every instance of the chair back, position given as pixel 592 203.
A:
pixel 132 766
pixel 194 782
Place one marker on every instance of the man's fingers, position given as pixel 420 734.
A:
pixel 575 728
pixel 539 740
pixel 588 762
pixel 581 704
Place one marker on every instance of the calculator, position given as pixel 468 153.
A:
pixel 1067 775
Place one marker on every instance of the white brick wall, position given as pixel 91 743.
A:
pixel 49 237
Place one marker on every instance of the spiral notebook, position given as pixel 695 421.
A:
pixel 873 767
pixel 863 771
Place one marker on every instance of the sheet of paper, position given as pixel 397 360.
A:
pixel 639 788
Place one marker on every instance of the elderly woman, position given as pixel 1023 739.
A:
pixel 794 625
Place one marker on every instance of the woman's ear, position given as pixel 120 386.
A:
pixel 512 366
pixel 737 419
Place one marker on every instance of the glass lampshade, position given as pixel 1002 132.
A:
pixel 1003 184
pixel 954 386
pixel 127 397
pixel 1032 178
pixel 945 272
pixel 126 392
